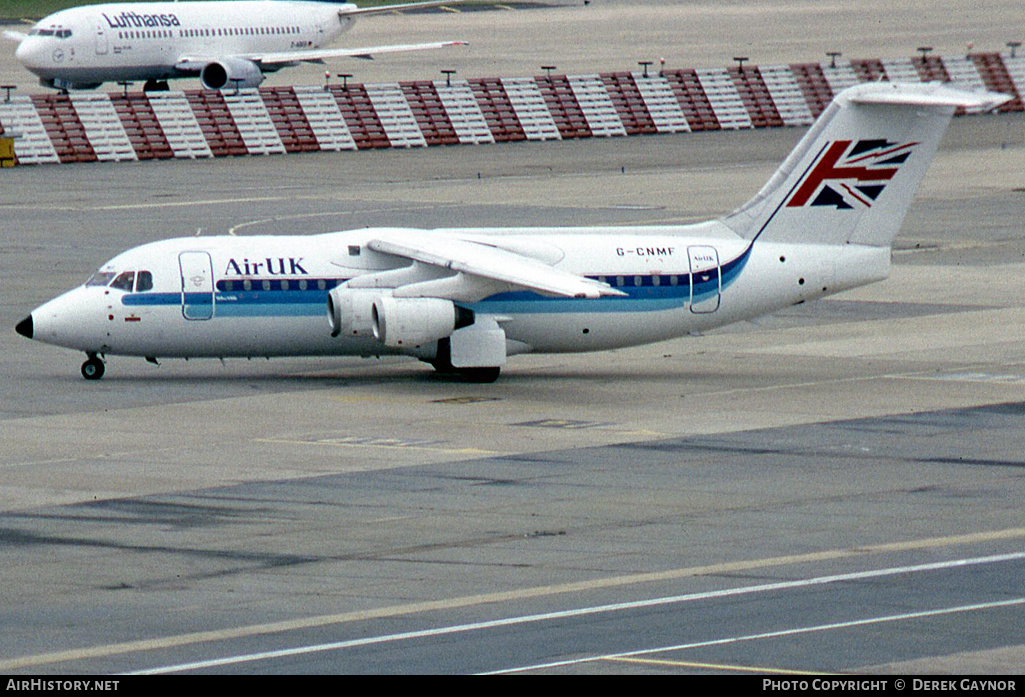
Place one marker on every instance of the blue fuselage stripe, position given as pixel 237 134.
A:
pixel 645 293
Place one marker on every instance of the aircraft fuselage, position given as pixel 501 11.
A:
pixel 267 296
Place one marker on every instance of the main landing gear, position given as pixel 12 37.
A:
pixel 93 367
pixel 443 365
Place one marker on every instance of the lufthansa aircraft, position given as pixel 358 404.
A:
pixel 466 299
pixel 225 44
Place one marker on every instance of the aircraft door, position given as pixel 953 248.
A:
pixel 197 285
pixel 705 279
pixel 101 38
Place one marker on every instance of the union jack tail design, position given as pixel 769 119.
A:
pixel 851 173
pixel 851 178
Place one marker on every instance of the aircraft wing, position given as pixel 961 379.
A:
pixel 489 263
pixel 13 35
pixel 320 54
pixel 356 11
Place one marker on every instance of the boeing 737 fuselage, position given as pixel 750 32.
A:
pixel 466 299
pixel 225 44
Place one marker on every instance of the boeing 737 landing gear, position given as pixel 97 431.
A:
pixel 93 367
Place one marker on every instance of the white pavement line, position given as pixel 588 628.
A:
pixel 770 635
pixel 615 607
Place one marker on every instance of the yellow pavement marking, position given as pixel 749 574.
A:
pixel 710 666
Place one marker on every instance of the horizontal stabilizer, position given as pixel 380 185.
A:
pixel 932 94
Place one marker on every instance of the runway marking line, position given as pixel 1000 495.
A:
pixel 922 614
pixel 707 666
pixel 631 605
pixel 232 633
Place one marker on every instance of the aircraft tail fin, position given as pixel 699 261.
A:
pixel 852 177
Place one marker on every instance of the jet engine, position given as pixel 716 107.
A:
pixel 410 322
pixel 349 311
pixel 230 72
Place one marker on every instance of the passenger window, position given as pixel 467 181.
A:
pixel 144 282
pixel 125 281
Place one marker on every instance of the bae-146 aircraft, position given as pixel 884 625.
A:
pixel 230 43
pixel 466 299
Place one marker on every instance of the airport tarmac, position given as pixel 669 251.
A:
pixel 836 489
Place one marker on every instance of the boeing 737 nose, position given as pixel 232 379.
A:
pixel 24 327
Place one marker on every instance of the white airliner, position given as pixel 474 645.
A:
pixel 465 299
pixel 227 44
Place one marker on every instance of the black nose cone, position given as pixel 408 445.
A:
pixel 24 327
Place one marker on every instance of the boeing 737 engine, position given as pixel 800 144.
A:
pixel 230 72
pixel 411 322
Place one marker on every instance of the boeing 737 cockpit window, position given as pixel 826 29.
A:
pixel 144 282
pixel 59 33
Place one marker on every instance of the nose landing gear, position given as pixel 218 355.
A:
pixel 93 367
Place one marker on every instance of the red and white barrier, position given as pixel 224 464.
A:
pixel 204 123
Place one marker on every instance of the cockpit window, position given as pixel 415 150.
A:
pixel 125 281
pixel 59 33
pixel 144 282
pixel 101 278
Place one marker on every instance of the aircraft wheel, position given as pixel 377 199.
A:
pixel 93 368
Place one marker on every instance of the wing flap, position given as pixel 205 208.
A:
pixel 491 263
